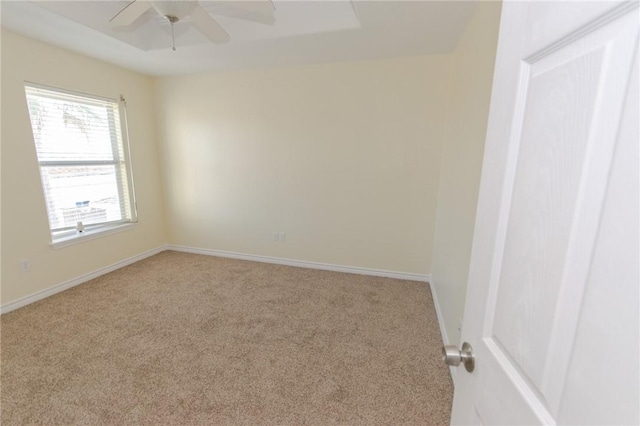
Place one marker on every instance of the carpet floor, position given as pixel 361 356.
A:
pixel 187 339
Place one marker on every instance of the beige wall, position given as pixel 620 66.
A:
pixel 467 112
pixel 25 230
pixel 343 158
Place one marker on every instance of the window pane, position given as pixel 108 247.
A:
pixel 71 131
pixel 81 152
pixel 81 193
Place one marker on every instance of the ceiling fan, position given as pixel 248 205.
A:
pixel 177 10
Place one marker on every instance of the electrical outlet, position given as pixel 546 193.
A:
pixel 279 237
pixel 25 265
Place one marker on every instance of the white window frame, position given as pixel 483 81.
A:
pixel 61 237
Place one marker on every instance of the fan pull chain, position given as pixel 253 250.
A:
pixel 173 38
pixel 172 20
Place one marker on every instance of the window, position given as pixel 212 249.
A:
pixel 83 161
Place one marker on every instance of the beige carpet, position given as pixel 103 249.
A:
pixel 188 339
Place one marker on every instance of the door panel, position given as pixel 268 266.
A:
pixel 552 152
pixel 554 127
pixel 611 307
pixel 503 395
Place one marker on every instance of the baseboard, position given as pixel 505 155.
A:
pixel 219 253
pixel 443 330
pixel 302 263
pixel 77 281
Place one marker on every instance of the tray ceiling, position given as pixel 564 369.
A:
pixel 304 32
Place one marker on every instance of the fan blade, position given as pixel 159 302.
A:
pixel 208 26
pixel 130 13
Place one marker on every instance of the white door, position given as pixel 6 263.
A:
pixel 552 301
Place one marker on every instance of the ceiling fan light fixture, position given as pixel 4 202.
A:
pixel 176 9
pixel 173 11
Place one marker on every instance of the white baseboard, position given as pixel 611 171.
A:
pixel 302 263
pixel 443 330
pixel 77 281
pixel 219 253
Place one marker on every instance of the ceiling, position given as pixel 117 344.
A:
pixel 304 32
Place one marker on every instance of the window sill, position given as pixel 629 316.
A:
pixel 91 234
